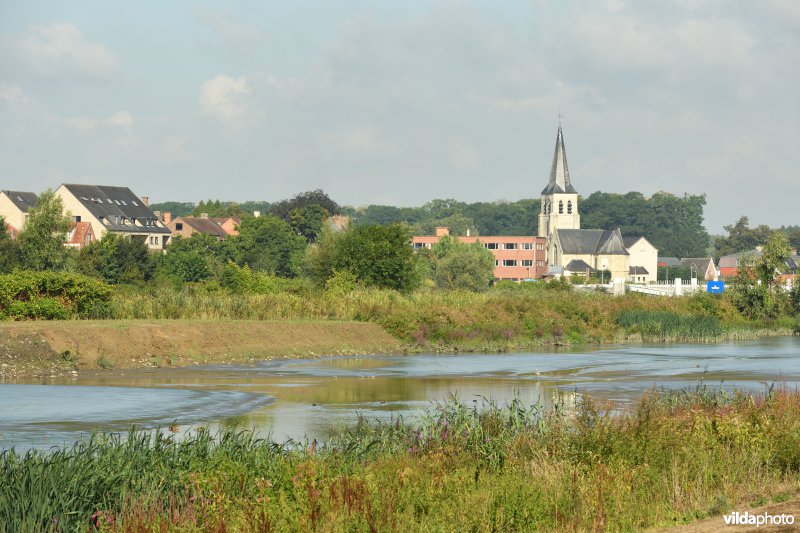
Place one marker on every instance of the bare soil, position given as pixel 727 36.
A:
pixel 717 523
pixel 33 349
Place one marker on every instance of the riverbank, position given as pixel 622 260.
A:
pixel 54 348
pixel 666 460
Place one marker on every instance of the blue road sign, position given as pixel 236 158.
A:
pixel 715 287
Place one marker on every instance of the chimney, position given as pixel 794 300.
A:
pixel 203 215
pixel 442 231
pixel 146 200
pixel 256 214
pixel 157 214
pixel 167 217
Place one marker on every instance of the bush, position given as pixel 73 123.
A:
pixel 37 309
pixel 50 295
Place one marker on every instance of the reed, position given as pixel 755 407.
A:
pixel 669 458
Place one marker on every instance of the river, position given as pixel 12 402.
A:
pixel 298 398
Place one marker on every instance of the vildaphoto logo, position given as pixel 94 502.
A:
pixel 758 520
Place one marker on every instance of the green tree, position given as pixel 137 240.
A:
pixel 284 208
pixel 378 256
pixel 457 223
pixel 268 244
pixel 117 259
pixel 9 250
pixel 186 266
pixel 42 240
pixel 755 290
pixel 458 265
pixel 307 221
pixel 741 237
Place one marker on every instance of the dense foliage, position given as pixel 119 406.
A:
pixel 52 295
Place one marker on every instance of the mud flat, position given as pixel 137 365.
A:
pixel 31 349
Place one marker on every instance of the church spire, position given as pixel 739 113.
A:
pixel 559 173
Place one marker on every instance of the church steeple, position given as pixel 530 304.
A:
pixel 559 198
pixel 559 172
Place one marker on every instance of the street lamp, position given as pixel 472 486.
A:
pixel 692 270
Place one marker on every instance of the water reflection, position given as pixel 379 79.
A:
pixel 314 397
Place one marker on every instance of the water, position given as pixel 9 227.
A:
pixel 312 397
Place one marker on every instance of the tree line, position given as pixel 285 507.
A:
pixel 673 224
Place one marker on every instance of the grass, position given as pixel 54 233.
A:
pixel 505 318
pixel 669 458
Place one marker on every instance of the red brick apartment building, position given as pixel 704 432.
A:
pixel 515 258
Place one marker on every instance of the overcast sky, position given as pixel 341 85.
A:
pixel 401 102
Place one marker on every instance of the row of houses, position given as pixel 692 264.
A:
pixel 97 210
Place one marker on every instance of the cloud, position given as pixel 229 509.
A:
pixel 122 119
pixel 229 28
pixel 12 94
pixel 55 47
pixel 228 99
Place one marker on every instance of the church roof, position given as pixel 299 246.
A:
pixel 591 241
pixel 559 173
pixel 578 265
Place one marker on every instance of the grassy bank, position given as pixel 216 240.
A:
pixel 55 347
pixel 505 318
pixel 666 460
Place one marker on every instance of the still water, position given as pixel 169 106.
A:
pixel 300 398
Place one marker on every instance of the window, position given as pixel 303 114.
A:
pixel 510 246
pixel 527 262
pixel 492 245
pixel 76 218
pixel 179 227
pixel 547 207
pixel 135 204
pixel 496 262
pixel 569 207
pixel 527 246
pixel 560 207
pixel 540 247
pixel 509 262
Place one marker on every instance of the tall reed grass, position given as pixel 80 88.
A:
pixel 505 318
pixel 669 458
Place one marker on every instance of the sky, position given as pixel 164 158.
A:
pixel 399 103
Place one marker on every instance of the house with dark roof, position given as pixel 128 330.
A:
pixel 14 208
pixel 187 226
pixel 114 210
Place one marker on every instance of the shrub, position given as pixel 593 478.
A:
pixel 50 295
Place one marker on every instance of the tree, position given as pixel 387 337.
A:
pixel 268 244
pixel 755 290
pixel 457 223
pixel 42 241
pixel 186 266
pixel 117 259
pixel 284 208
pixel 741 237
pixel 307 221
pixel 9 250
pixel 378 256
pixel 457 265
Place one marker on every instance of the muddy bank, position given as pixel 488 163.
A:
pixel 30 349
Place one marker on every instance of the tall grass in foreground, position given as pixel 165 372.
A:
pixel 666 459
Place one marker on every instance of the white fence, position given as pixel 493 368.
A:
pixel 665 288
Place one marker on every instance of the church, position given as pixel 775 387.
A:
pixel 576 251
